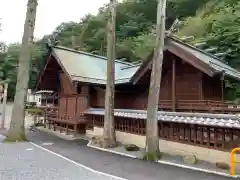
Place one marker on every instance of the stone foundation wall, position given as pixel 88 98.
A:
pixel 169 147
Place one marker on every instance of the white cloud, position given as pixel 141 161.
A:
pixel 50 13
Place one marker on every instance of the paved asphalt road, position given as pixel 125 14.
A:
pixel 132 169
pixel 24 161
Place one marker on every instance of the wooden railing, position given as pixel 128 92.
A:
pixel 69 115
pixel 201 106
pixel 199 135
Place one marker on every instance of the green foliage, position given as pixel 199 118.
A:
pixel 134 22
pixel 217 23
pixel 34 110
pixel 17 138
pixel 131 147
pixel 9 64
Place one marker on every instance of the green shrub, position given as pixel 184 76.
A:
pixel 131 147
pixel 34 110
pixel 38 124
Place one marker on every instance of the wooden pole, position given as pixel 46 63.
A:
pixel 222 87
pixel 173 84
pixel 152 138
pixel 4 104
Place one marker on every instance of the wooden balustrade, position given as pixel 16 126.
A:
pixel 201 106
pixel 69 115
pixel 199 135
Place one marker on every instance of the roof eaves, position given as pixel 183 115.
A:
pixel 210 55
pixel 142 68
pixel 189 57
pixel 122 81
pixel 87 79
pixel 60 63
pixel 193 47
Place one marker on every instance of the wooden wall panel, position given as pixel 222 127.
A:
pixel 66 85
pixel 211 88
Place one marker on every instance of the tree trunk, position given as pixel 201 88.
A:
pixel 152 139
pixel 109 129
pixel 4 104
pixel 16 131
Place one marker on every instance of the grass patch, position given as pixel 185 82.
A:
pixel 33 110
pixel 16 138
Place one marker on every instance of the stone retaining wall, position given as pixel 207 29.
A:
pixel 169 147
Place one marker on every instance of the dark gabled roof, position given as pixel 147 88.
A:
pixel 200 59
pixel 213 62
pixel 87 67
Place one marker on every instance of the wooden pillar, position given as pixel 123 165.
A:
pixel 53 98
pixel 85 91
pixel 4 104
pixel 222 87
pixel 173 84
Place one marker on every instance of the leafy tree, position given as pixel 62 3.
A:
pixel 135 18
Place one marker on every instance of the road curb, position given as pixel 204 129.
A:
pixel 165 162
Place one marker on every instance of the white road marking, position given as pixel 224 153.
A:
pixel 47 144
pixel 29 149
pixel 78 164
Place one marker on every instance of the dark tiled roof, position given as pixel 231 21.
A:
pixel 220 120
pixel 207 58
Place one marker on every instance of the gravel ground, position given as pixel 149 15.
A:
pixel 23 161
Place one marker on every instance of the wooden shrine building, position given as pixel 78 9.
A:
pixel 192 106
pixel 192 80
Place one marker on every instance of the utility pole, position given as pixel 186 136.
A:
pixel 152 138
pixel 109 137
pixel 4 104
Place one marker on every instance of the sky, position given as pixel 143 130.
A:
pixel 50 13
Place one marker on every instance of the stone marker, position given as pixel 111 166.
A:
pixel 222 165
pixel 191 159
